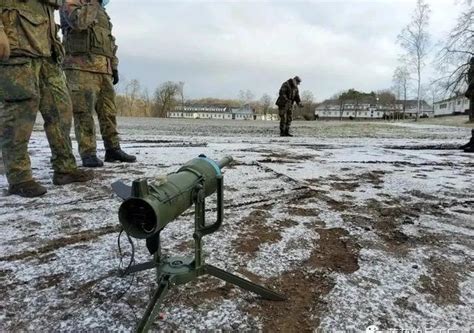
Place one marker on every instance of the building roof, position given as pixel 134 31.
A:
pixel 213 109
pixel 452 98
pixel 408 102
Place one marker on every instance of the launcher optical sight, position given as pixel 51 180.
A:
pixel 149 207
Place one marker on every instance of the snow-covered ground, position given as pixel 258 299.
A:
pixel 358 224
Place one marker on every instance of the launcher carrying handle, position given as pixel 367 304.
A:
pixel 206 230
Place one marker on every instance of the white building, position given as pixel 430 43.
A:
pixel 212 112
pixel 454 105
pixel 270 117
pixel 371 109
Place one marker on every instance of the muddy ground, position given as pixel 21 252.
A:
pixel 357 224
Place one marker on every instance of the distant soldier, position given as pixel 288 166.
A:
pixel 91 70
pixel 287 96
pixel 31 79
pixel 469 147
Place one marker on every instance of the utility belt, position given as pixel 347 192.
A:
pixel 18 3
pixel 54 3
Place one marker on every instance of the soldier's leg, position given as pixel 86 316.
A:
pixel 54 105
pixel 83 88
pixel 282 114
pixel 107 113
pixel 289 119
pixel 19 101
pixel 56 109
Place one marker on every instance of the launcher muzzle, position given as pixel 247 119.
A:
pixel 152 206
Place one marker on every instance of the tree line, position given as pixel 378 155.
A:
pixel 134 100
pixel 449 58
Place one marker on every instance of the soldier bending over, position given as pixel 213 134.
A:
pixel 287 96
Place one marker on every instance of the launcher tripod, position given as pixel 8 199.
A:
pixel 181 270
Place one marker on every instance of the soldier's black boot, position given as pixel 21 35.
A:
pixel 29 189
pixel 112 155
pixel 469 144
pixel 287 133
pixel 75 176
pixel 469 149
pixel 92 161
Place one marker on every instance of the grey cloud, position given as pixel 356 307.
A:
pixel 218 48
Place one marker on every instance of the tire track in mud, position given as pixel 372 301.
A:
pixel 412 164
pixel 55 244
pixel 34 203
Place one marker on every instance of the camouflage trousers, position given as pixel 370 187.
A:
pixel 26 86
pixel 286 117
pixel 93 92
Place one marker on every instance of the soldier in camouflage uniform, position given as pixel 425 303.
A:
pixel 91 70
pixel 287 96
pixel 31 79
pixel 469 147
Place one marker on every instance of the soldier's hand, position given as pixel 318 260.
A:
pixel 4 46
pixel 115 75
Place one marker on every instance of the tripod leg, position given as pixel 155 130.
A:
pixel 244 284
pixel 153 306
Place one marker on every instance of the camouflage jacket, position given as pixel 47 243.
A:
pixel 288 94
pixel 30 27
pixel 88 40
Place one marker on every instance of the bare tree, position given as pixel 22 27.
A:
pixel 454 57
pixel 164 98
pixel 132 96
pixel 401 79
pixel 415 39
pixel 181 92
pixel 246 97
pixel 307 99
pixel 432 92
pixel 386 97
pixel 337 95
pixel 147 103
pixel 266 103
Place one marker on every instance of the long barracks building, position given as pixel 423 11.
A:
pixel 454 105
pixel 371 109
pixel 213 112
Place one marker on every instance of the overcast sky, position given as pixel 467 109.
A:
pixel 218 48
